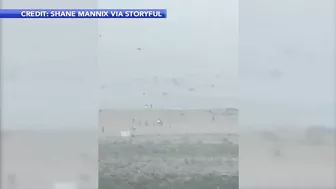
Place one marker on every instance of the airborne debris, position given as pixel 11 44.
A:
pixel 277 153
pixel 159 122
pixel 175 82
pixel 276 74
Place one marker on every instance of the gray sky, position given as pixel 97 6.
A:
pixel 194 45
pixel 285 73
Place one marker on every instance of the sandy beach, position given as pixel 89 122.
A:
pixel 175 121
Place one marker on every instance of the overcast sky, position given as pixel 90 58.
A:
pixel 52 70
pixel 197 46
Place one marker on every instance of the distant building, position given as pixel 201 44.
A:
pixel 232 111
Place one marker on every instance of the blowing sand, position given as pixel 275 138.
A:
pixel 38 159
pixel 198 121
pixel 290 162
